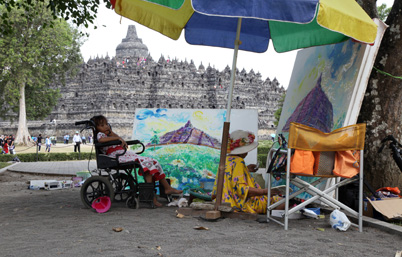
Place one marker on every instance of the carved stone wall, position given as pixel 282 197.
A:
pixel 116 86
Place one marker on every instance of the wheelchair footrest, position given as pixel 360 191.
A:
pixel 146 192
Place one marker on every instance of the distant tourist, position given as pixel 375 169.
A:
pixel 5 146
pixel 1 143
pixel 53 139
pixel 77 142
pixel 11 145
pixel 39 142
pixel 48 143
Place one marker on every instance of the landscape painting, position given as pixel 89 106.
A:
pixel 187 142
pixel 321 86
pixel 323 90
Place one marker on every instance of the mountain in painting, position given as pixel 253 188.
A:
pixel 188 135
pixel 315 110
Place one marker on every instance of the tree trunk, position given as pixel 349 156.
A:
pixel 382 105
pixel 23 137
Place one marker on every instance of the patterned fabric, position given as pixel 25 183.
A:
pixel 324 163
pixel 237 181
pixel 148 164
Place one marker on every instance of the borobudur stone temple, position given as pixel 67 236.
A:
pixel 116 86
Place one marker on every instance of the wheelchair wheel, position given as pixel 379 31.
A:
pixel 123 187
pixel 95 187
pixel 132 202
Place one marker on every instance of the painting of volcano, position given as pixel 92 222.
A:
pixel 326 90
pixel 188 135
pixel 322 88
pixel 315 110
pixel 187 142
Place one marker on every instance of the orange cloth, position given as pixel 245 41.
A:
pixel 302 163
pixel 347 164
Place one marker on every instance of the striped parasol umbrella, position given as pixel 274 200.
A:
pixel 250 25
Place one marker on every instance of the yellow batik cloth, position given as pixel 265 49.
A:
pixel 237 181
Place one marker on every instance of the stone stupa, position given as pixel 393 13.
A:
pixel 131 46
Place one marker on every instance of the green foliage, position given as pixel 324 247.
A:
pixel 38 106
pixel 278 112
pixel 383 11
pixel 262 159
pixel 33 56
pixel 398 223
pixel 61 156
pixel 45 157
pixel 79 12
pixel 264 146
pixel 263 150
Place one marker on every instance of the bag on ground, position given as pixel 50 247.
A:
pixel 339 221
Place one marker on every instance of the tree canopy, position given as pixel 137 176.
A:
pixel 383 11
pixel 278 112
pixel 36 56
pixel 79 12
pixel 32 57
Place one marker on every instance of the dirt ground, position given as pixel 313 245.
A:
pixel 55 223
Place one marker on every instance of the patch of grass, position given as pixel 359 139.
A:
pixel 265 143
pixel 58 148
pixel 45 157
pixel 4 164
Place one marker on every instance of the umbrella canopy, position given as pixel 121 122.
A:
pixel 291 24
pixel 249 25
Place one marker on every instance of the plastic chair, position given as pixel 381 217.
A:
pixel 320 144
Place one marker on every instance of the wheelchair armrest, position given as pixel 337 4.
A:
pixel 136 142
pixel 114 142
pixel 133 142
pixel 105 159
pixel 118 142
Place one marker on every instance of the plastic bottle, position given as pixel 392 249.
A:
pixel 34 187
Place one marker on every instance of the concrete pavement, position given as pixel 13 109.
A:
pixel 53 168
pixel 72 167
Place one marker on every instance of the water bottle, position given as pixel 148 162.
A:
pixel 34 187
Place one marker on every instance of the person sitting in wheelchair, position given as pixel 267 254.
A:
pixel 151 167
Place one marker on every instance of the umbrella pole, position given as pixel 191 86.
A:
pixel 226 124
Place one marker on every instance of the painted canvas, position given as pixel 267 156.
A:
pixel 187 142
pixel 328 83
pixel 321 87
pixel 320 90
pixel 327 87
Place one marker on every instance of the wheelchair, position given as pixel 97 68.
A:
pixel 111 178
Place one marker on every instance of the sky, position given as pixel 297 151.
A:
pixel 111 29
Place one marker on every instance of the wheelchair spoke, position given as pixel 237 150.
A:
pixel 94 188
pixel 123 187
